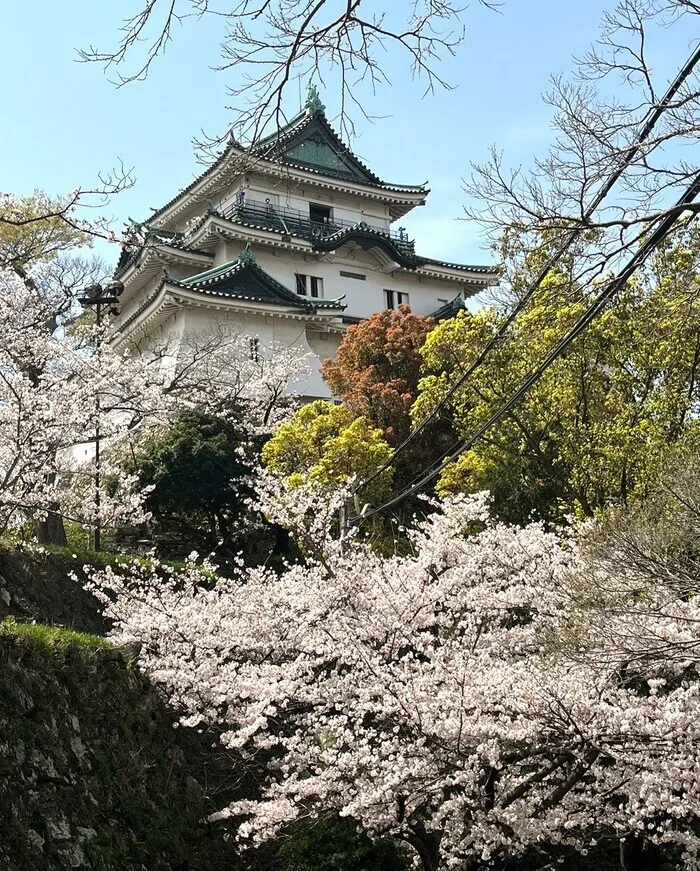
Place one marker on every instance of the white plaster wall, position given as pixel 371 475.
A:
pixel 271 331
pixel 284 195
pixel 133 300
pixel 362 298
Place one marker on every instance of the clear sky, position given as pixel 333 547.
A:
pixel 65 121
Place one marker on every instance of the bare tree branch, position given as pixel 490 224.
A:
pixel 610 121
pixel 270 43
pixel 40 217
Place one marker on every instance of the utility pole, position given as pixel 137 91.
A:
pixel 95 296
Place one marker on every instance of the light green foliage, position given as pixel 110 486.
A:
pixel 35 229
pixel 596 427
pixel 326 444
pixel 50 637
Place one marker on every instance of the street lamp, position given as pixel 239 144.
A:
pixel 95 296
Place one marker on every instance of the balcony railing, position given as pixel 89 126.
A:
pixel 294 221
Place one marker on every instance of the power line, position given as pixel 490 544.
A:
pixel 614 177
pixel 662 230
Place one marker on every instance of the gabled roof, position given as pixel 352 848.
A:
pixel 403 254
pixel 309 142
pixel 467 267
pixel 367 238
pixel 449 309
pixel 142 238
pixel 244 279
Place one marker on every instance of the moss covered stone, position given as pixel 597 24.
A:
pixel 92 773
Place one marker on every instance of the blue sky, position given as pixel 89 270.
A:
pixel 65 121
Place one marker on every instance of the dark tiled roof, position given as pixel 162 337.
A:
pixel 309 142
pixel 278 145
pixel 131 252
pixel 272 225
pixel 367 238
pixel 128 255
pixel 449 309
pixel 404 255
pixel 467 267
pixel 244 279
pixel 207 172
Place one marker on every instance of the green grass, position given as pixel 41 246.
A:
pixel 50 637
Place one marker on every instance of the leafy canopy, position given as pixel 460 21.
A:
pixel 596 427
pixel 195 473
pixel 326 445
pixel 377 368
pixel 33 230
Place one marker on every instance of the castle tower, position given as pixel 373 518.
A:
pixel 288 240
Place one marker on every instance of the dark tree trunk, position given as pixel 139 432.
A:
pixel 636 854
pixel 51 530
pixel 426 844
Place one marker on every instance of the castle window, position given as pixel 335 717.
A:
pixel 309 285
pixel 254 352
pixel 394 298
pixel 319 214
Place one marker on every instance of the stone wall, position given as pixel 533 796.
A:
pixel 92 772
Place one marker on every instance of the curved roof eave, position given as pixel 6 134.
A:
pixel 264 152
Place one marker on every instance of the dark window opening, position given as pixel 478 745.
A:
pixel 319 214
pixel 309 285
pixel 394 298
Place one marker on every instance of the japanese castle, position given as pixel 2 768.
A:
pixel 287 241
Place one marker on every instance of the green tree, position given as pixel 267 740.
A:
pixel 326 444
pixel 377 368
pixel 35 230
pixel 198 479
pixel 595 428
pixel 376 372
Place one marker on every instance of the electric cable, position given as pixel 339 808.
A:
pixel 625 162
pixel 663 228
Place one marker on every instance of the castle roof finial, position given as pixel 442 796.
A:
pixel 246 256
pixel 313 104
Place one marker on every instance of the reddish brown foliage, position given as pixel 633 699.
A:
pixel 377 369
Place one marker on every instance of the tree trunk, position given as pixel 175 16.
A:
pixel 426 844
pixel 637 854
pixel 51 530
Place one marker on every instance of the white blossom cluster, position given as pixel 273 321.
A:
pixel 466 697
pixel 57 390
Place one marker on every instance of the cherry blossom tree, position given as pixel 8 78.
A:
pixel 222 371
pixel 48 386
pixel 134 397
pixel 455 698
pixel 57 387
